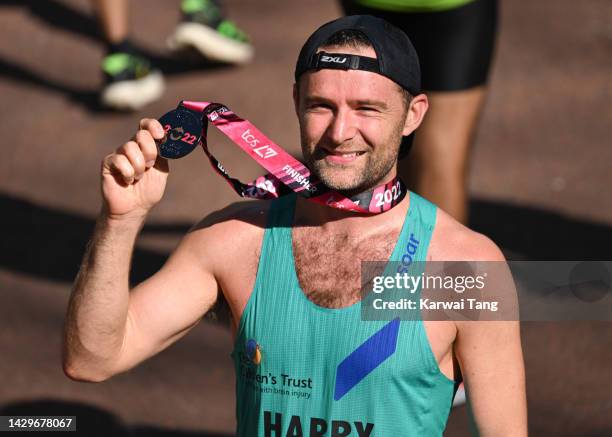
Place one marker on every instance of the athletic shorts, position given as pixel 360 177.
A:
pixel 455 46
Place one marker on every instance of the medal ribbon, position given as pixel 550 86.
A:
pixel 286 173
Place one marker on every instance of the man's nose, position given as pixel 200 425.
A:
pixel 342 127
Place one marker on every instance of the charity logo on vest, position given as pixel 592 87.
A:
pixel 313 427
pixel 281 384
pixel 253 351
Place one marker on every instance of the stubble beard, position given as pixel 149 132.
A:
pixel 350 179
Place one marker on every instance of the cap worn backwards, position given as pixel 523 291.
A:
pixel 396 57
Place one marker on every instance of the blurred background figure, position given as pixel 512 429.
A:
pixel 131 81
pixel 455 41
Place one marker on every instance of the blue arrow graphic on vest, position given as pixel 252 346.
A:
pixel 367 357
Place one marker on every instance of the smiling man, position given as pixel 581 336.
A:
pixel 305 361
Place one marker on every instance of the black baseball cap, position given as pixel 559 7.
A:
pixel 396 57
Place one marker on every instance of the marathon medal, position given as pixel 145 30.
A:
pixel 183 129
pixel 187 125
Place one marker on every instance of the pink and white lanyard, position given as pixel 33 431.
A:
pixel 187 126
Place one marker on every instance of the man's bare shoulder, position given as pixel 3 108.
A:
pixel 237 227
pixel 237 220
pixel 454 241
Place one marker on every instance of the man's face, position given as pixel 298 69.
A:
pixel 351 124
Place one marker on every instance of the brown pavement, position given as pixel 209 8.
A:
pixel 540 182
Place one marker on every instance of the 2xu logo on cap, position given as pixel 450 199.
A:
pixel 333 59
pixel 183 130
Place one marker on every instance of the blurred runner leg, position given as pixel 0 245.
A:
pixel 438 164
pixel 131 82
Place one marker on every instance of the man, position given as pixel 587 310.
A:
pixel 306 363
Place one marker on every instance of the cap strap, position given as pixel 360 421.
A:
pixel 344 61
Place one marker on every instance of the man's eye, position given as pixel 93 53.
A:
pixel 367 109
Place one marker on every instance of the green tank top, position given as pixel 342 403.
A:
pixel 306 370
pixel 413 5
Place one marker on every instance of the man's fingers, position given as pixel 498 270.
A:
pixel 153 126
pixel 147 147
pixel 119 165
pixel 132 159
pixel 136 158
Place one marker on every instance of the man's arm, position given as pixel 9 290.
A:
pixel 491 361
pixel 109 329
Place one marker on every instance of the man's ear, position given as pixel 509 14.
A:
pixel 414 116
pixel 296 99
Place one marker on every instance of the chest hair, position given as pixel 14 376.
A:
pixel 329 265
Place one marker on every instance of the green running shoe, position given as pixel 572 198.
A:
pixel 130 81
pixel 204 28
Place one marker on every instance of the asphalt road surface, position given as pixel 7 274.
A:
pixel 541 184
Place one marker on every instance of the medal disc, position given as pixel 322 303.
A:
pixel 183 132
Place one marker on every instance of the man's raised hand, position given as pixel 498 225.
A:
pixel 134 176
